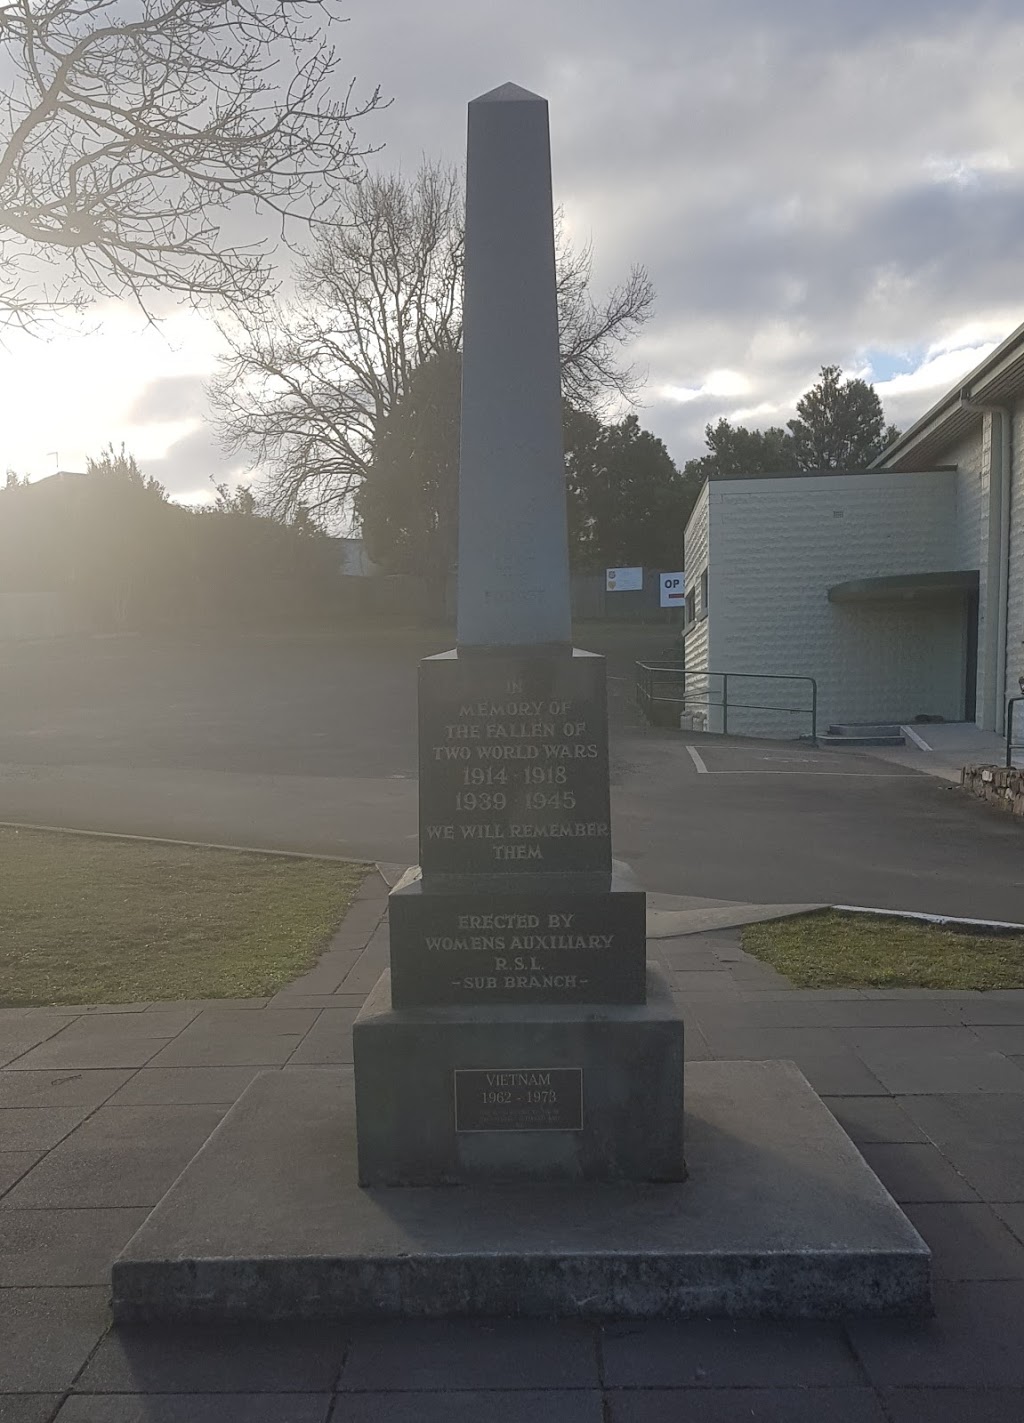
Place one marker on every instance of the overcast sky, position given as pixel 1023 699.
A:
pixel 807 181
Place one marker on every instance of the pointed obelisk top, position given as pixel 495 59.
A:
pixel 507 94
pixel 513 587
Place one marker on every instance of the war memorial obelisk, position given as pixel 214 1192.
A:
pixel 513 1143
pixel 519 1000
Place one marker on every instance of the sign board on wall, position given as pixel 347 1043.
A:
pixel 624 580
pixel 673 589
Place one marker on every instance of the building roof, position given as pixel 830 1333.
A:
pixel 996 380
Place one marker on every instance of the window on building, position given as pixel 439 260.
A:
pixel 691 606
pixel 704 591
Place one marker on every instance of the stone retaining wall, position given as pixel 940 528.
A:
pixel 1003 786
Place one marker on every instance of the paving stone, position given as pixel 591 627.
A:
pixel 363 974
pixel 726 1353
pixel 685 960
pixel 839 1074
pixel 230 1049
pixel 967 1118
pixel 916 1172
pixel 873 1119
pixel 14 1020
pixel 122 1156
pixel 319 982
pixel 284 999
pixel 1012 1215
pixel 329 1040
pixel 1008 1038
pixel 37 1128
pixel 233 1005
pixel 995 1170
pixel 695 1048
pixel 165 1023
pixel 987 1009
pixel 115 1048
pixel 968 1242
pixel 459 1354
pixel 63 1247
pixel 976 1340
pixel 755 975
pixel 272 1022
pixel 217 1359
pixel 954 1405
pixel 701 981
pixel 102 1009
pixel 794 1011
pixel 60 1089
pixel 730 1405
pixel 14 1046
pixel 934 1040
pixel 471 1406
pixel 13 1165
pixel 185 1086
pixel 769 1044
pixel 28 1407
pixel 931 1073
pixel 47 1336
pixel 359 924
pixel 196 1408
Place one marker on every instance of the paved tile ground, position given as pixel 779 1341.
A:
pixel 100 1108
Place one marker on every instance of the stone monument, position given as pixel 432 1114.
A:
pixel 519 1032
pixel 519 1041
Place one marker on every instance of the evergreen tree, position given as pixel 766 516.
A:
pixel 840 424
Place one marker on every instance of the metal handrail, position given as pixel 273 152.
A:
pixel 1011 745
pixel 648 693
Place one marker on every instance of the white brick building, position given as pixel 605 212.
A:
pixel 900 590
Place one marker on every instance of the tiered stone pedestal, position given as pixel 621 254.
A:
pixel 578 1093
pixel 514 1037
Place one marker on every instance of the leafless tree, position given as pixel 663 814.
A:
pixel 307 387
pixel 591 336
pixel 130 127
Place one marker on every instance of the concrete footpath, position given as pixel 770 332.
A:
pixel 101 1108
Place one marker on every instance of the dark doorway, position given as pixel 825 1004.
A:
pixel 971 670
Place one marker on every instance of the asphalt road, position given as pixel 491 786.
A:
pixel 309 743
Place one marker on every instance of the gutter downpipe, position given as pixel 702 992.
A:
pixel 999 545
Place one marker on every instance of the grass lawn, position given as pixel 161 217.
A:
pixel 863 951
pixel 90 920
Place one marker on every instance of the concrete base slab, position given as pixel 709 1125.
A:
pixel 780 1217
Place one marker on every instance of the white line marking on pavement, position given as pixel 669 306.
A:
pixel 857 775
pixel 695 757
pixel 918 741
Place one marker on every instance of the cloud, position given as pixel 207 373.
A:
pixel 809 182
pixel 193 464
pixel 171 398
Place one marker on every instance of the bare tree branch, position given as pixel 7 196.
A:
pixel 131 126
pixel 307 388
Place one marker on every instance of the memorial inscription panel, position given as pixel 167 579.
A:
pixel 518 1099
pixel 514 764
pixel 516 946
